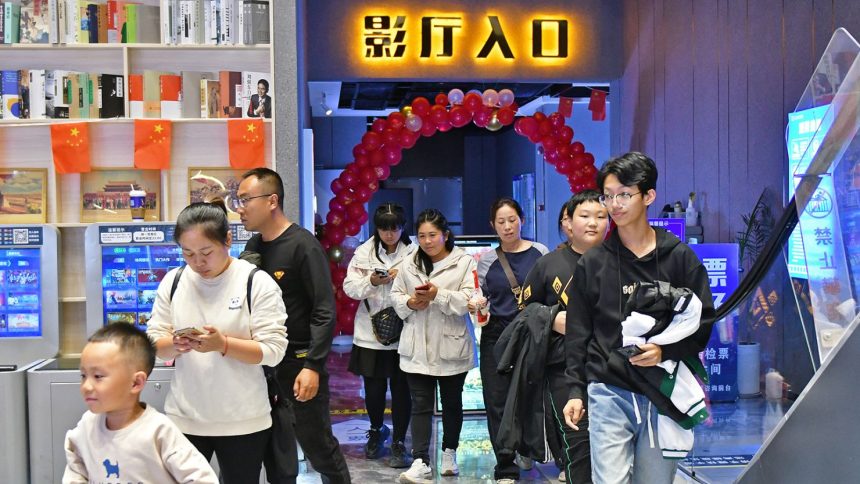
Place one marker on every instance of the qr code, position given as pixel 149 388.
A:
pixel 20 236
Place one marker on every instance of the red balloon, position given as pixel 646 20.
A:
pixel 348 180
pixel 351 227
pixel 472 102
pixel 529 125
pixel 362 161
pixel 373 186
pixel 354 210
pixel 396 120
pixel 408 138
pixel 346 196
pixel 335 218
pixel 549 143
pixel 441 100
pixel 358 150
pixel 392 155
pixel 335 235
pixel 505 115
pixel 334 205
pixel 363 194
pixel 483 116
pixel 565 134
pixel 382 172
pixel 345 319
pixel 544 127
pixel 428 128
pixel 338 275
pixel 325 243
pixel 372 140
pixel 563 166
pixel 539 116
pixel 367 175
pixel 551 156
pixel 363 218
pixel 577 147
pixel 352 168
pixel 377 158
pixel 556 120
pixel 589 159
pixel 391 137
pixel 421 106
pixel 579 160
pixel 444 127
pixel 439 114
pixel 336 186
pixel 378 125
pixel 459 116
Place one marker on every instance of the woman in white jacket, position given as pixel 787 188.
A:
pixel 431 294
pixel 218 396
pixel 377 364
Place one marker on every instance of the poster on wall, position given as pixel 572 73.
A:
pixel 105 194
pixel 23 195
pixel 720 355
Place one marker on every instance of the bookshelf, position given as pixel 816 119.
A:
pixel 197 142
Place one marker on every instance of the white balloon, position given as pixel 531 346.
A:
pixel 455 96
pixel 491 97
pixel 506 97
pixel 414 123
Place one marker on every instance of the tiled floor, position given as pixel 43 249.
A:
pixel 733 434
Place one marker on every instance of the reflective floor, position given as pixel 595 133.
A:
pixel 723 444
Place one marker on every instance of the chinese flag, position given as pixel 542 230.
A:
pixel 70 144
pixel 565 106
pixel 597 105
pixel 245 137
pixel 152 139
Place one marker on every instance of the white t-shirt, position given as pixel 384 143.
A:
pixel 151 449
pixel 213 395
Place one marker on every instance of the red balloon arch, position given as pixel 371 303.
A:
pixel 382 147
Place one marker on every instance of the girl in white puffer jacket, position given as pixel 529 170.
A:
pixel 431 294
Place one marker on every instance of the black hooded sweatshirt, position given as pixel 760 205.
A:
pixel 604 278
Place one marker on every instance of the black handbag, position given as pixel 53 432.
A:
pixel 386 324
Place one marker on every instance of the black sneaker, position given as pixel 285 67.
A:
pixel 376 442
pixel 398 459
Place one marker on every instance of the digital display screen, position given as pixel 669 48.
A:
pixel 20 293
pixel 131 275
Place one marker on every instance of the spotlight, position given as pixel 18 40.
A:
pixel 325 107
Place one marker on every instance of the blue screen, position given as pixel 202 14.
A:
pixel 20 293
pixel 130 278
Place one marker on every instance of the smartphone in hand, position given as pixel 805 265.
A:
pixel 423 287
pixel 630 351
pixel 190 332
pixel 380 272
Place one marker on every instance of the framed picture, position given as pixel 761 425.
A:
pixel 207 183
pixel 105 197
pixel 23 195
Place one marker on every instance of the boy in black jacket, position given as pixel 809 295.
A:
pixel 622 406
pixel 297 262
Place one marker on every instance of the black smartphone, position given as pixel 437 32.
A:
pixel 630 351
pixel 380 272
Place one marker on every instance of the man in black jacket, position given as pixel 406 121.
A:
pixel 297 262
pixel 623 406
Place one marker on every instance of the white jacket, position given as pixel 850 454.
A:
pixel 439 340
pixel 357 286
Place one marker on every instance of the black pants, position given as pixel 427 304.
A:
pixel 401 402
pixel 240 457
pixel 313 424
pixel 575 451
pixel 495 395
pixel 423 391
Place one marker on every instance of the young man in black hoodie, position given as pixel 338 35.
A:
pixel 297 262
pixel 622 405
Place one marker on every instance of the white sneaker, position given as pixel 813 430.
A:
pixel 418 473
pixel 506 481
pixel 524 463
pixel 562 477
pixel 449 462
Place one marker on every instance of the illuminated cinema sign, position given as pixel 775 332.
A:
pixel 386 37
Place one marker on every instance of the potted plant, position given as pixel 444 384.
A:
pixel 755 233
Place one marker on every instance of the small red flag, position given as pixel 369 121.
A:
pixel 246 142
pixel 597 105
pixel 565 106
pixel 152 141
pixel 70 145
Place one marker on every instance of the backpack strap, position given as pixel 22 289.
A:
pixel 182 268
pixel 506 266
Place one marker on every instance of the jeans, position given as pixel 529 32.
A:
pixel 624 447
pixel 495 394
pixel 423 390
pixel 575 452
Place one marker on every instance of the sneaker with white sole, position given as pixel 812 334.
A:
pixel 524 463
pixel 506 481
pixel 562 477
pixel 449 462
pixel 419 472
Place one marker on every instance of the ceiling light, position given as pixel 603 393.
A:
pixel 325 107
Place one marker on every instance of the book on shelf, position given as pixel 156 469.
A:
pixel 210 98
pixel 256 22
pixel 92 13
pixel 256 95
pixel 231 94
pixel 192 93
pixel 112 96
pixel 135 95
pixel 171 96
pixel 35 24
pixel 24 94
pixel 11 23
pixel 55 100
pixel 152 93
pixel 37 94
pixel 9 94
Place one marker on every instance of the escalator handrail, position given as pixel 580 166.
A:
pixel 785 226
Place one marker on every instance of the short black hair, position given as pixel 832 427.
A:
pixel 631 169
pixel 133 344
pixel 272 181
pixel 580 198
pixel 211 216
pixel 265 84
